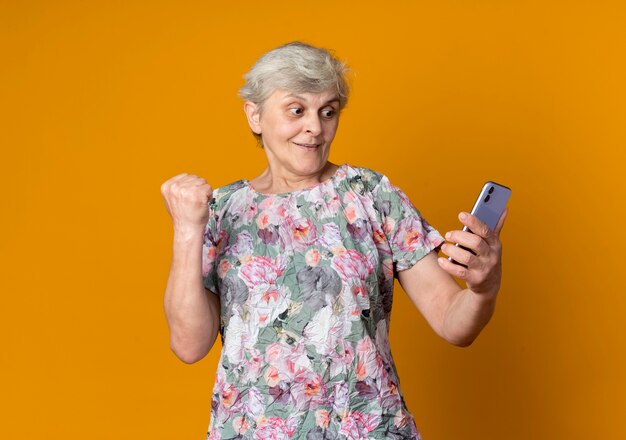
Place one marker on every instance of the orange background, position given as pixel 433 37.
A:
pixel 101 102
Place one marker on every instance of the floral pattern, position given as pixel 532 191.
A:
pixel 305 281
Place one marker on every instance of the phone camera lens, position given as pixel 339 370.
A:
pixel 487 198
pixel 490 190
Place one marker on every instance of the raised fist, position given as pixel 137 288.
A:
pixel 187 198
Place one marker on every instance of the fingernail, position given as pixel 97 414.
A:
pixel 462 216
pixel 448 235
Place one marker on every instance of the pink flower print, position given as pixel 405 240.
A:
pixel 349 197
pixel 378 236
pixel 256 403
pixel 273 353
pixel 303 232
pixel 308 391
pixel 296 361
pixel 341 398
pixel 360 371
pixel 312 257
pixel 263 220
pixel 333 204
pixel 253 365
pixel 261 271
pixel 271 376
pixel 388 224
pixel 400 419
pixel 357 425
pixel 243 246
pixel 359 290
pixel 222 268
pixel 350 213
pixel 352 264
pixel 408 235
pixel 342 360
pixel 240 425
pixel 370 363
pixel 268 204
pixel 288 360
pixel 208 258
pixel 229 395
pixel 322 418
pixel 249 213
pixel 313 386
pixel 389 398
pixel 266 299
pixel 275 428
pixel 359 299
pixel 331 237
pixel 273 209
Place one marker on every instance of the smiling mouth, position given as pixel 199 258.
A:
pixel 309 146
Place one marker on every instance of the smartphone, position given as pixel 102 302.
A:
pixel 488 207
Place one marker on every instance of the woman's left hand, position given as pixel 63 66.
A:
pixel 484 270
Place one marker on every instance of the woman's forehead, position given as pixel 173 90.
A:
pixel 324 97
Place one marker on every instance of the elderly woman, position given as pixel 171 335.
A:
pixel 295 269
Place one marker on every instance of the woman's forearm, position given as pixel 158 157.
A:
pixel 466 316
pixel 192 312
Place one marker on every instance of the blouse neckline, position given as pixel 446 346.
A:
pixel 331 179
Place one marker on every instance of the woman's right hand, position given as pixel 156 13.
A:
pixel 186 198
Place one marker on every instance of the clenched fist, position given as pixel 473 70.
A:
pixel 187 198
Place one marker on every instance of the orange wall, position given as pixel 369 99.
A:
pixel 101 102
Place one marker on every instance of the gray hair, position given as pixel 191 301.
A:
pixel 296 67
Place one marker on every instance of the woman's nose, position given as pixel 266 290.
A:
pixel 313 125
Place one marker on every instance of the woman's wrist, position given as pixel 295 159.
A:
pixel 189 235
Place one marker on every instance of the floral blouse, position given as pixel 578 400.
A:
pixel 305 281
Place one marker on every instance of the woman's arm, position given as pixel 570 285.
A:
pixel 192 312
pixel 458 315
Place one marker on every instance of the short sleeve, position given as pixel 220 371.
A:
pixel 409 235
pixel 210 251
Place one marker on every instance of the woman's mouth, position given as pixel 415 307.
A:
pixel 307 146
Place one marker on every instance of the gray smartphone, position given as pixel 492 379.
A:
pixel 488 208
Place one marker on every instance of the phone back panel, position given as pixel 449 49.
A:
pixel 489 206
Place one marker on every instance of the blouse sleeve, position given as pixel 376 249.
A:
pixel 210 251
pixel 409 235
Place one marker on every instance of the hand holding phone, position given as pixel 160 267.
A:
pixel 488 207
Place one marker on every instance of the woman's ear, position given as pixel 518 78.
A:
pixel 253 115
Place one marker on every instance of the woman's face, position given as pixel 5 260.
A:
pixel 297 129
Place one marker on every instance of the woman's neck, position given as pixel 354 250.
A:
pixel 272 181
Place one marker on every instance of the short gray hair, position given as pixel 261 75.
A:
pixel 296 67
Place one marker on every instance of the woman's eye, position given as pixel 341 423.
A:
pixel 296 110
pixel 328 113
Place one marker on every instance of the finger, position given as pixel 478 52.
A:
pixel 501 222
pixel 476 225
pixel 207 190
pixel 469 240
pixel 458 254
pixel 178 177
pixel 165 186
pixel 453 269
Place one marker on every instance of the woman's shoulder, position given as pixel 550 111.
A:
pixel 367 179
pixel 222 194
